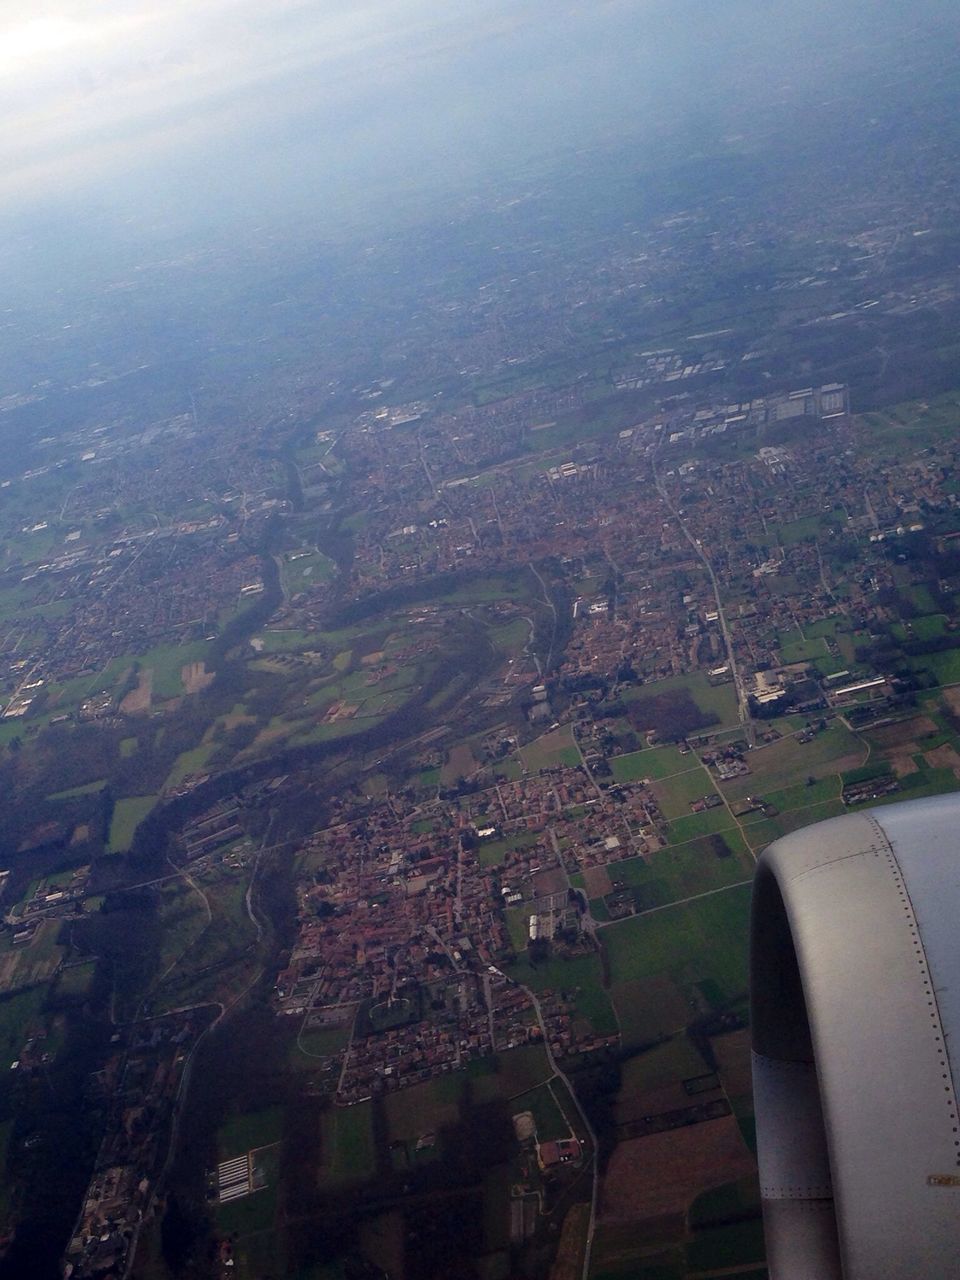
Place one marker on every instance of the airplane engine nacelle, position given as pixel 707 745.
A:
pixel 855 991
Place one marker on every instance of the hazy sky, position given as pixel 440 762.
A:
pixel 204 104
pixel 95 91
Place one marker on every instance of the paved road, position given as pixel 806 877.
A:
pixel 743 704
pixel 583 1117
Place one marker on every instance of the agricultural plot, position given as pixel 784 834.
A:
pixel 655 762
pixel 944 667
pixel 765 830
pixel 548 1116
pixel 508 1074
pixel 693 952
pixel 417 1117
pixel 580 979
pixel 127 816
pixel 302 571
pixel 684 871
pixel 491 853
pixel 77 979
pixel 787 761
pixel 347 1149
pixel 812 526
pixel 25 964
pixel 189 762
pixel 88 789
pixel 551 751
pixel 675 794
pixel 247 1132
pixel 19 1016
pixel 714 706
pixel 706 823
pixel 460 763
pixel 664 1173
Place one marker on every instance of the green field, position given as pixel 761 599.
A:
pixel 189 762
pixel 323 1042
pixel 694 825
pixel 811 526
pixel 88 789
pixel 347 1147
pixel 581 979
pixel 549 1118
pixel 246 1132
pixel 793 648
pixel 491 853
pixel 302 571
pixel 665 963
pixel 718 700
pixel 655 762
pixel 77 979
pixel 424 1108
pixel 944 667
pixel 675 794
pixel 684 871
pixel 19 1014
pixel 514 1072
pixel 552 750
pixel 127 816
pixel 787 762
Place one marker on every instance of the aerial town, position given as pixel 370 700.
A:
pixel 398 689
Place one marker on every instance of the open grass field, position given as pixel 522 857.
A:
pixel 491 853
pixel 666 1064
pixel 321 1042
pixel 424 1108
pixel 460 763
pixel 243 1133
pixel 914 423
pixel 549 1118
pixel 650 1008
pixel 580 978
pixel 766 830
pixel 19 1015
pixel 551 750
pixel 302 571
pixel 803 795
pixel 508 1074
pixel 706 823
pixel 718 700
pixel 794 648
pixel 189 762
pixel 24 964
pixel 811 526
pixel 945 667
pixel 127 816
pixel 675 794
pixel 88 789
pixel 347 1150
pixel 291 641
pixel 654 762
pixel 929 627
pixel 684 871
pixel 183 918
pixel 787 762
pixel 77 979
pixel 691 952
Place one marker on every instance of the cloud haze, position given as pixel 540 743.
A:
pixel 204 104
